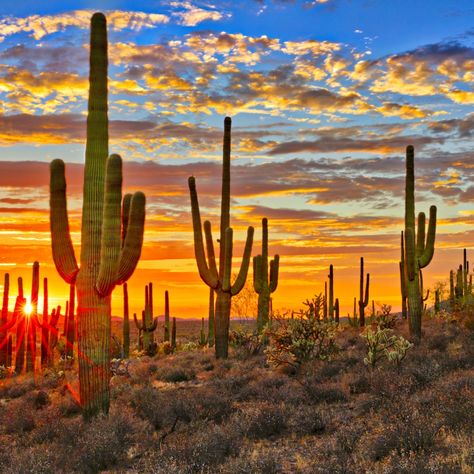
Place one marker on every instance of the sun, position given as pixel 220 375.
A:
pixel 28 308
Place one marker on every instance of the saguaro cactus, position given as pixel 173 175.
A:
pixel 31 321
pixel 336 310
pixel 149 324
pixel 403 284
pixel 53 334
pixel 173 334
pixel 263 283
pixel 126 323
pixel 418 249
pixel 105 261
pixel 167 318
pixel 219 280
pixel 45 326
pixel 19 315
pixel 5 324
pixel 363 299
pixel 71 324
pixel 331 293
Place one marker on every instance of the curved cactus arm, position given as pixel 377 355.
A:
pixel 132 246
pixel 274 269
pixel 125 215
pixel 410 253
pixel 257 274
pixel 226 286
pixel 366 297
pixel 137 324
pixel 152 326
pixel 211 258
pixel 207 275
pixel 244 266
pixel 428 253
pixel 111 226
pixel 420 235
pixel 63 251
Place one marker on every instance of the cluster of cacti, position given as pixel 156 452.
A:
pixel 363 296
pixel 461 289
pixel 264 282
pixel 220 279
pixel 419 248
pixel 149 323
pixel 110 246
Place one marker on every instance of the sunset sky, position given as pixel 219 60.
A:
pixel 324 95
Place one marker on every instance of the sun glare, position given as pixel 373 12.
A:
pixel 28 309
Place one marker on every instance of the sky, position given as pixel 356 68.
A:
pixel 325 95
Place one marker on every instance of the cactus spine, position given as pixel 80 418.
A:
pixel 219 280
pixel 167 318
pixel 363 299
pixel 105 261
pixel 126 323
pixel 263 283
pixel 418 249
pixel 149 324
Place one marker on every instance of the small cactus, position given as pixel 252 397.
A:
pixel 149 324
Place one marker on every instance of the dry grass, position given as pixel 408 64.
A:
pixel 187 413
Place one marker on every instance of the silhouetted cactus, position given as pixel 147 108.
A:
pixel 418 249
pixel 202 334
pixel 19 315
pixel 173 335
pixel 31 319
pixel 363 299
pixel 126 324
pixel 220 280
pixel 5 323
pixel 263 283
pixel 71 323
pixel 167 318
pixel 459 284
pixel 107 257
pixel 45 326
pixel 149 324
pixel 403 284
pixel 331 293
pixel 437 305
pixel 325 301
pixel 336 310
pixel 53 334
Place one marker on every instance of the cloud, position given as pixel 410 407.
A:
pixel 39 26
pixel 192 15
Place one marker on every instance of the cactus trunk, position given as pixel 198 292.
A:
pixel 126 323
pixel 4 322
pixel 167 318
pixel 210 325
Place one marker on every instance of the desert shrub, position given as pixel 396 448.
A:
pixel 439 342
pixel 18 418
pixel 175 374
pixel 212 406
pixel 69 407
pixel 245 343
pixel 319 393
pixel 253 461
pixel 34 460
pixel 306 420
pixel 17 388
pixel 39 399
pixel 295 341
pixel 260 422
pixel 386 320
pixel 359 385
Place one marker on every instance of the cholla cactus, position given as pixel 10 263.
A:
pixel 110 247
pixel 397 350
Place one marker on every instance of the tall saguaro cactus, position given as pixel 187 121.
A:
pixel 149 324
pixel 167 318
pixel 419 248
pixel 107 259
pixel 31 321
pixel 331 293
pixel 264 284
pixel 403 285
pixel 219 279
pixel 126 323
pixel 363 299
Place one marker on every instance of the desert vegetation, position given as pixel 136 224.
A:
pixel 305 390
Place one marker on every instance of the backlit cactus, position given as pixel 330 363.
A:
pixel 45 326
pixel 53 334
pixel 5 323
pixel 167 318
pixel 109 252
pixel 219 279
pixel 31 321
pixel 149 324
pixel 71 324
pixel 210 323
pixel 419 248
pixel 264 283
pixel 20 318
pixel 403 285
pixel 331 293
pixel 363 295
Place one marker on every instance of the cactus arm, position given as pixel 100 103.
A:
pixel 125 215
pixel 137 324
pixel 410 253
pixel 63 251
pixel 257 274
pixel 211 258
pixel 274 269
pixel 420 237
pixel 111 227
pixel 244 266
pixel 152 326
pixel 428 253
pixel 366 297
pixel 132 246
pixel 227 260
pixel 205 272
